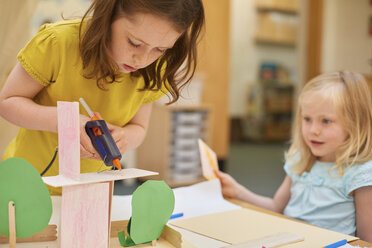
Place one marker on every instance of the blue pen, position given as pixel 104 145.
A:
pixel 176 215
pixel 337 244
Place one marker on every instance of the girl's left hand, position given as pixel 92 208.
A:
pixel 118 134
pixel 229 186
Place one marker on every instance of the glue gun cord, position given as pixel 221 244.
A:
pixel 50 163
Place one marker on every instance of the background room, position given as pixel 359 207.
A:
pixel 255 57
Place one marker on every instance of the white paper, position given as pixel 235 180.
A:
pixel 201 199
pixel 195 200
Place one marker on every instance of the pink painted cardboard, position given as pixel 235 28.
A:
pixel 85 216
pixel 69 139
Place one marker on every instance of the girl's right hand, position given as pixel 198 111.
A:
pixel 230 187
pixel 86 148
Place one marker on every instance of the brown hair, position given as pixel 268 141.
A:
pixel 187 16
pixel 351 96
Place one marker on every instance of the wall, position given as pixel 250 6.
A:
pixel 346 43
pixel 214 61
pixel 243 58
pixel 20 20
pixel 14 23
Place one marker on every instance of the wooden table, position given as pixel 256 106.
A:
pixel 54 244
pixel 250 206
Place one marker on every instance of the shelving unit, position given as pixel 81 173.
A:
pixel 270 100
pixel 171 146
pixel 270 112
pixel 285 6
pixel 278 105
pixel 270 41
pixel 277 22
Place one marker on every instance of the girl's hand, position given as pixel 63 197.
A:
pixel 86 148
pixel 230 187
pixel 118 134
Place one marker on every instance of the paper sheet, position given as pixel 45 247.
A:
pixel 242 225
pixel 195 200
pixel 209 160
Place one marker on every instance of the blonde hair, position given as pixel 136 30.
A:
pixel 351 97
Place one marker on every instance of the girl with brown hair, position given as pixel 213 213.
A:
pixel 122 56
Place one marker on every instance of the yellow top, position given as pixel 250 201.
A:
pixel 52 58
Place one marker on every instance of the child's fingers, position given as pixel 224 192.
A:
pixel 84 153
pixel 98 115
pixel 86 142
pixel 220 174
pixel 217 172
pixel 110 127
pixel 223 177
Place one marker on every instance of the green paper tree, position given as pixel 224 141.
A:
pixel 21 183
pixel 152 206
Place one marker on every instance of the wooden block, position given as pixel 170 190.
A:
pixel 169 234
pixel 85 216
pixel 172 236
pixel 118 226
pixel 271 241
pixel 69 139
pixel 48 234
pixel 12 225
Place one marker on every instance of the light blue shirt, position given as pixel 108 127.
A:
pixel 325 201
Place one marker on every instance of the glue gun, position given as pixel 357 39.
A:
pixel 101 139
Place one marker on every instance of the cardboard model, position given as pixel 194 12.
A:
pixel 86 198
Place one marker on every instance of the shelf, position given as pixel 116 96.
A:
pixel 273 41
pixel 279 112
pixel 276 85
pixel 271 104
pixel 170 146
pixel 277 9
pixel 285 6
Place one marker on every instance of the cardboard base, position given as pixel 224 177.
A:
pixel 170 238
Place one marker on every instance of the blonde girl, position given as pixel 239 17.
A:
pixel 120 57
pixel 329 164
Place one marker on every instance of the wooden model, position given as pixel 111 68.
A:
pixel 86 198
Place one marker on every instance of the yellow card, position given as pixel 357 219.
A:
pixel 208 160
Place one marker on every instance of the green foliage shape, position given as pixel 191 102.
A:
pixel 21 183
pixel 152 206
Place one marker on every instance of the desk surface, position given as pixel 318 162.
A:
pixel 123 201
pixel 250 206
